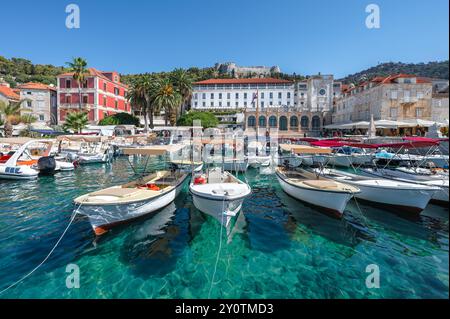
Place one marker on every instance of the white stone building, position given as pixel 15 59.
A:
pixel 228 94
pixel 395 97
pixel 40 102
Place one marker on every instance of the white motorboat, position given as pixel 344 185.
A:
pixel 256 161
pixel 15 166
pixel 85 149
pixel 118 204
pixel 339 159
pixel 419 176
pixel 218 193
pixel 401 196
pixel 234 164
pixel 187 166
pixel 305 155
pixel 27 161
pixel 349 156
pixel 329 195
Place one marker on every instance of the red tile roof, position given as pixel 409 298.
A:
pixel 35 86
pixel 94 72
pixel 9 93
pixel 245 81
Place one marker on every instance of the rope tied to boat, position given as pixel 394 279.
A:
pixel 218 250
pixel 72 218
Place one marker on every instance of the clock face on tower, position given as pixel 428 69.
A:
pixel 322 91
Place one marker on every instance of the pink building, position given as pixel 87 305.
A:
pixel 102 94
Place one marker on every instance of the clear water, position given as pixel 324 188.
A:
pixel 278 247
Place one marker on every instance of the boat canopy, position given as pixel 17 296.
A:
pixel 424 139
pixel 15 140
pixel 152 149
pixel 304 149
pixel 82 138
pixel 412 142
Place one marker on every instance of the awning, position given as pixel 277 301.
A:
pixel 421 123
pixel 15 140
pixel 152 149
pixel 304 149
pixel 82 138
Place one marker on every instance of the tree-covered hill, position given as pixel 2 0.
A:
pixel 18 70
pixel 437 70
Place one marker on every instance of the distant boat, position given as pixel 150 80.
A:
pixel 405 197
pixel 420 176
pixel 85 149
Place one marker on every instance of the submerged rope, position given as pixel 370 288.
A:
pixel 48 255
pixel 218 251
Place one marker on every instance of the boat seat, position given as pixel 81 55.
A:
pixel 320 184
pixel 118 192
pixel 214 177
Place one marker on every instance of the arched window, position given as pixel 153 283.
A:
pixel 273 121
pixel 315 122
pixel 305 122
pixel 294 121
pixel 262 121
pixel 283 123
pixel 251 121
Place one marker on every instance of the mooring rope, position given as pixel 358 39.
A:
pixel 48 255
pixel 219 249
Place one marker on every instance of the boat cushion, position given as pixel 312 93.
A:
pixel 118 192
pixel 321 184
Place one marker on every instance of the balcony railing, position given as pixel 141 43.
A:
pixel 86 106
pixel 275 108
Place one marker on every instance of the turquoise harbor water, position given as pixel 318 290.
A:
pixel 277 248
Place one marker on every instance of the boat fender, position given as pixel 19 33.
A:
pixel 199 180
pixel 153 187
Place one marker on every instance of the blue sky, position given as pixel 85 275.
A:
pixel 305 37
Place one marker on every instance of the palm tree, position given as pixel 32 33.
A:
pixel 164 96
pixel 146 83
pixel 76 121
pixel 137 99
pixel 78 67
pixel 10 112
pixel 182 82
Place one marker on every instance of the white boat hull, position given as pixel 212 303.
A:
pixel 104 217
pixel 340 160
pixel 442 195
pixel 234 166
pixel 92 159
pixel 409 200
pixel 222 210
pixel 17 172
pixel 332 202
pixel 259 161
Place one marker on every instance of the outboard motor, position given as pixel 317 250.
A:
pixel 46 165
pixel 72 157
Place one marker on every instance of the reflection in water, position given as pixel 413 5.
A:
pixel 276 247
pixel 152 246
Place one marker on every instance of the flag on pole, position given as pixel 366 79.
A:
pixel 255 96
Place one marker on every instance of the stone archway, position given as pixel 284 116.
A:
pixel 304 122
pixel 283 123
pixel 293 122
pixel 262 121
pixel 251 121
pixel 273 121
pixel 315 123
